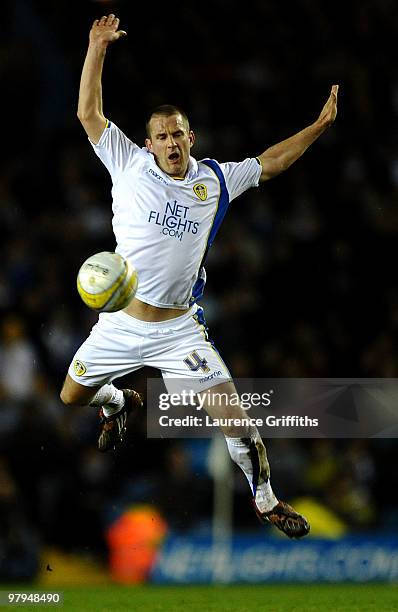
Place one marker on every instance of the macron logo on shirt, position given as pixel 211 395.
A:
pixel 157 176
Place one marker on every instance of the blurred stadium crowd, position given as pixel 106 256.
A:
pixel 301 280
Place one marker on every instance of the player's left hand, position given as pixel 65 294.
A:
pixel 329 111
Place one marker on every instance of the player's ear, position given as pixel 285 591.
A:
pixel 191 138
pixel 148 144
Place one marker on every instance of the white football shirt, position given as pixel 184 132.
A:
pixel 165 226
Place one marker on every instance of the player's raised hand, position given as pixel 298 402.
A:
pixel 329 111
pixel 105 31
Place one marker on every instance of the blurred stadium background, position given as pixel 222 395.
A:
pixel 301 280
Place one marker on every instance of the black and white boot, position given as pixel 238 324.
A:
pixel 113 428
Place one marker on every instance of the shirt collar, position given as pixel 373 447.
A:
pixel 193 168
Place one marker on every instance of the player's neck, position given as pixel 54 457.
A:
pixel 176 177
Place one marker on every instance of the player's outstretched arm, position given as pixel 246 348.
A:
pixel 278 158
pixel 103 32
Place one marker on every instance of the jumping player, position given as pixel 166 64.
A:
pixel 167 208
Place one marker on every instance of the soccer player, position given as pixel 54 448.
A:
pixel 167 208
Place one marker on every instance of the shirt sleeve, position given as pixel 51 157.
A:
pixel 114 149
pixel 240 176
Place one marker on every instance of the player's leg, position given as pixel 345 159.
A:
pixel 75 394
pixel 191 362
pixel 115 407
pixel 244 443
pixel 247 450
pixel 109 352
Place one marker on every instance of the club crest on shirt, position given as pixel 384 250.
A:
pixel 201 191
pixel 79 367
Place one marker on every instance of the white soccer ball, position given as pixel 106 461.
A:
pixel 107 282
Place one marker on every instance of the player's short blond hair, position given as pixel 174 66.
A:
pixel 166 110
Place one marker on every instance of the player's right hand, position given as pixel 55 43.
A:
pixel 105 31
pixel 329 111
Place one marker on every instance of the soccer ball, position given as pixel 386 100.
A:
pixel 107 282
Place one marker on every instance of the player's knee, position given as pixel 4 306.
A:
pixel 236 430
pixel 67 398
pixel 74 394
pixel 71 398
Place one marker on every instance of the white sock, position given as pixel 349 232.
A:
pixel 110 398
pixel 251 456
pixel 265 498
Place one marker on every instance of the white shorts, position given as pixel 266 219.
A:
pixel 120 344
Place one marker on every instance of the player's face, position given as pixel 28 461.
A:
pixel 170 142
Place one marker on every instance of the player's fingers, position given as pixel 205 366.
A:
pixel 110 19
pixel 95 23
pixel 335 90
pixel 116 23
pixel 121 33
pixel 103 19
